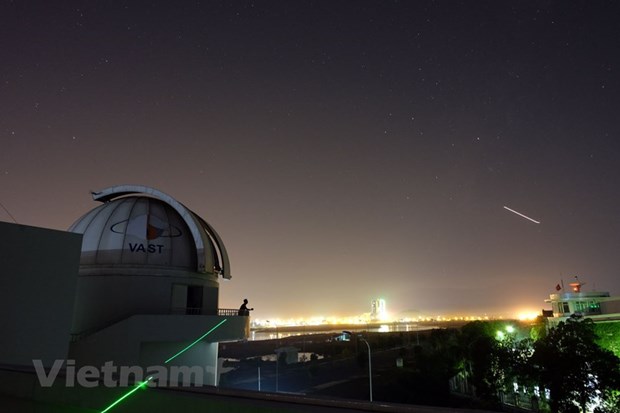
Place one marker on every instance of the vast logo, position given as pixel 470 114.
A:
pixel 148 228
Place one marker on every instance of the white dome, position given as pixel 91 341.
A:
pixel 140 226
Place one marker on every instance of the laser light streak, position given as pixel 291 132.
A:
pixel 129 393
pixel 145 382
pixel 521 215
pixel 194 343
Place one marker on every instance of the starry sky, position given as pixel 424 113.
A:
pixel 344 150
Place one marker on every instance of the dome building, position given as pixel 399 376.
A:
pixel 148 283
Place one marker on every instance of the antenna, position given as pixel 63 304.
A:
pixel 7 211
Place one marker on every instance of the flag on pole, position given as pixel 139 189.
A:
pixel 558 287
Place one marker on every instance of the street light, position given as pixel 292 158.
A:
pixel 348 333
pixel 369 366
pixel 501 335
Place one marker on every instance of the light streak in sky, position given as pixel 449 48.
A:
pixel 521 215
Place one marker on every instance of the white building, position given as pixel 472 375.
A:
pixel 148 284
pixel 143 288
pixel 599 306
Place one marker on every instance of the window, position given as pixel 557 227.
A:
pixel 581 307
pixel 594 307
pixel 194 299
pixel 186 299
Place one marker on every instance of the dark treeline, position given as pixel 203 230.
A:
pixel 568 368
pixel 484 364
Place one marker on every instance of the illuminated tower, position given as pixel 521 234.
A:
pixel 377 310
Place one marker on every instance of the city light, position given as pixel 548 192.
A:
pixel 527 315
pixel 365 319
pixel 501 334
pixel 378 314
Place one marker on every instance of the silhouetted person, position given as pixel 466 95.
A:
pixel 244 310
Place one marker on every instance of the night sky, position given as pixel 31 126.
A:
pixel 344 150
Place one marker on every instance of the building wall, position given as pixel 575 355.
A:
pixel 39 269
pixel 103 300
pixel 149 340
pixel 203 357
pixel 611 306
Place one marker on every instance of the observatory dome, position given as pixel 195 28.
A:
pixel 141 227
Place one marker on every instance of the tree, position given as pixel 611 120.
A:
pixel 569 363
pixel 482 358
pixel 609 336
pixel 514 362
pixel 428 367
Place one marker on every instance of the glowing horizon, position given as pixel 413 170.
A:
pixel 364 318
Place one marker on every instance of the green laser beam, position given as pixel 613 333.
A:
pixel 197 340
pixel 129 393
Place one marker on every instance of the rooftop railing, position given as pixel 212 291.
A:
pixel 221 312
pixel 227 312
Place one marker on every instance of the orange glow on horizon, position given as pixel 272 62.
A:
pixel 365 318
pixel 527 315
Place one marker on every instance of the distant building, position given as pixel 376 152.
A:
pixel 377 310
pixel 599 306
pixel 288 354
